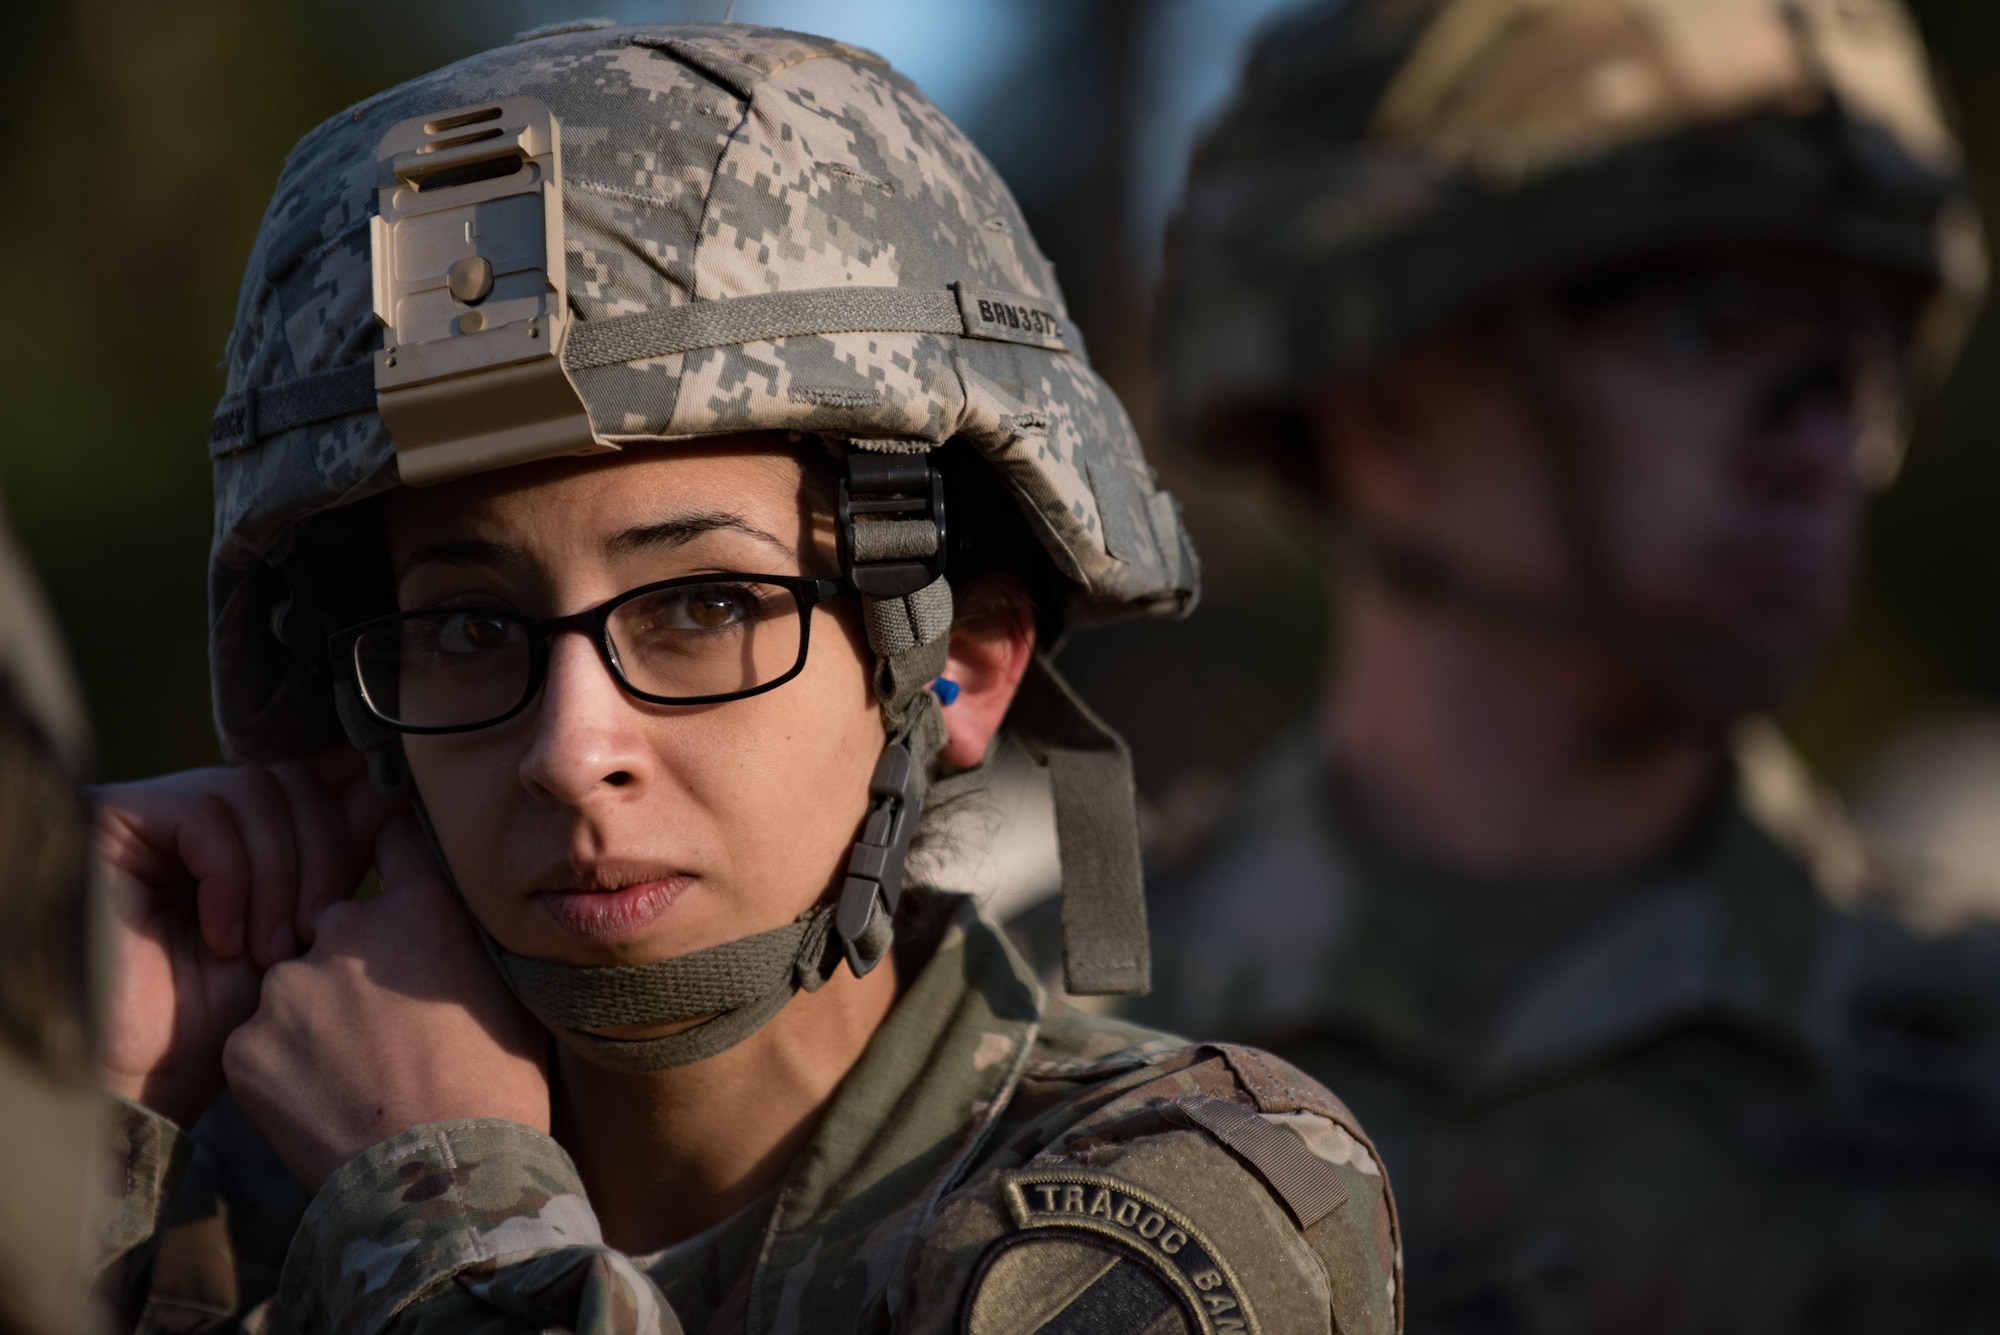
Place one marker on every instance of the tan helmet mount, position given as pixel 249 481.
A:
pixel 469 289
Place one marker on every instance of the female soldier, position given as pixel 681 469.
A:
pixel 713 363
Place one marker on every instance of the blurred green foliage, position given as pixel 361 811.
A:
pixel 144 139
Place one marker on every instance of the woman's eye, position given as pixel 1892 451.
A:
pixel 708 609
pixel 712 611
pixel 473 633
pixel 705 607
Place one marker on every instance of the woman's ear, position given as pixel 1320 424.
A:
pixel 987 658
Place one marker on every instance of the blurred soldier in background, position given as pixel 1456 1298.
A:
pixel 48 1099
pixel 1592 321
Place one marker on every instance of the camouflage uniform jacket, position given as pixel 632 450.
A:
pixel 993 1164
pixel 1721 1093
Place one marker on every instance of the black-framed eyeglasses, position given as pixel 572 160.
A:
pixel 696 640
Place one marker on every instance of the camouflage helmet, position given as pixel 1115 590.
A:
pixel 604 238
pixel 1391 164
pixel 760 231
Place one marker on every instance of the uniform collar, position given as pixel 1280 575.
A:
pixel 1302 933
pixel 905 1124
pixel 1727 939
pixel 1724 932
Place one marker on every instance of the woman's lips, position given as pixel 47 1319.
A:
pixel 612 915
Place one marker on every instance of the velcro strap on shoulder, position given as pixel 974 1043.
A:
pixel 1105 950
pixel 1307 1184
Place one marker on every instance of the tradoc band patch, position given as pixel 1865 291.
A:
pixel 1059 1264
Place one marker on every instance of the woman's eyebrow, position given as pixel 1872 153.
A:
pixel 461 552
pixel 683 529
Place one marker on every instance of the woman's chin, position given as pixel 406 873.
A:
pixel 612 917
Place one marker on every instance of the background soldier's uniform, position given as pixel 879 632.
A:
pixel 1721 1092
pixel 993 1164
pixel 1724 1091
pixel 759 231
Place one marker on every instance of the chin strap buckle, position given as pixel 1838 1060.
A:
pixel 890 521
pixel 874 882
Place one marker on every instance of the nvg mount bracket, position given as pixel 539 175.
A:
pixel 469 289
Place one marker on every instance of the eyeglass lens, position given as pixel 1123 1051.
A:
pixel 459 667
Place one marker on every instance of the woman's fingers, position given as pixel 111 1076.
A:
pixel 127 841
pixel 202 833
pixel 266 821
pixel 229 833
pixel 329 864
pixel 168 835
pixel 268 849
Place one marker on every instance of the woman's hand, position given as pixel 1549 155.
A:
pixel 213 876
pixel 396 1017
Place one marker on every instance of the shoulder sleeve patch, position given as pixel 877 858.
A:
pixel 1145 1252
pixel 1049 1284
pixel 1302 1176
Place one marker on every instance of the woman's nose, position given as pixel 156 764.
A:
pixel 588 736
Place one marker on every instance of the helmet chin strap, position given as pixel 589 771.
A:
pixel 1722 671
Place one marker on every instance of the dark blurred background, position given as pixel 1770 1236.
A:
pixel 144 138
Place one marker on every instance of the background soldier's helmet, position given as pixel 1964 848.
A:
pixel 1391 164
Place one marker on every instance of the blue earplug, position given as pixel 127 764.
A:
pixel 946 690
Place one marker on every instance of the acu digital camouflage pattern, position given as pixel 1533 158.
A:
pixel 1725 1092
pixel 897 1216
pixel 701 163
pixel 1390 164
